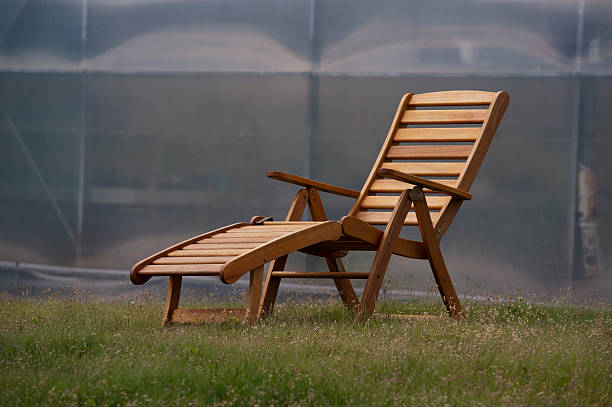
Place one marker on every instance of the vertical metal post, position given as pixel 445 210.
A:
pixel 80 208
pixel 313 89
pixel 572 233
pixel 573 186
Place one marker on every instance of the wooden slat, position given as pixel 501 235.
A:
pixel 320 274
pixel 452 98
pixel 235 239
pixel 382 218
pixel 226 245
pixel 182 269
pixel 391 185
pixel 429 152
pixel 193 260
pixel 428 169
pixel 211 252
pixel 261 232
pixel 248 235
pixel 135 276
pixel 389 202
pixel 465 116
pixel 314 234
pixel 266 228
pixel 446 134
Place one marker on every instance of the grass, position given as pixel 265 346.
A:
pixel 75 351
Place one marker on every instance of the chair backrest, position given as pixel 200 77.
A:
pixel 443 136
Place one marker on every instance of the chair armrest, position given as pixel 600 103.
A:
pixel 424 183
pixel 305 182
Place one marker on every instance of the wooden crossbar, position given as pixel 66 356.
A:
pixel 320 274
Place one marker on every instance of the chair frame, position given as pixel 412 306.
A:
pixel 356 231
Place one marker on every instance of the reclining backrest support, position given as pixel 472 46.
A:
pixel 442 136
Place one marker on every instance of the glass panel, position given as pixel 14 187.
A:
pixel 597 37
pixel 41 34
pixel 198 36
pixel 40 122
pixel 446 37
pixel 173 156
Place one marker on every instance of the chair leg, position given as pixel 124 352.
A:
pixel 172 301
pixel 251 314
pixel 344 286
pixel 436 261
pixel 271 285
pixel 383 255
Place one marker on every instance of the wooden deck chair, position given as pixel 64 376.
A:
pixel 431 155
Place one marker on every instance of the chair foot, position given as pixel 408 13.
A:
pixel 172 301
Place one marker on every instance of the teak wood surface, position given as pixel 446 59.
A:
pixel 431 155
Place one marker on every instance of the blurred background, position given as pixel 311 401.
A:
pixel 128 125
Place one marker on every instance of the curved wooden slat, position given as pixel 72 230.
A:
pixel 266 228
pixel 389 202
pixel 182 269
pixel 138 279
pixel 226 245
pixel 442 134
pixel 429 152
pixel 276 248
pixel 248 235
pixel 212 252
pixel 431 169
pixel 193 260
pixel 465 116
pixel 382 218
pixel 235 239
pixel 452 98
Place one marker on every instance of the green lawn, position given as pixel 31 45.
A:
pixel 89 352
